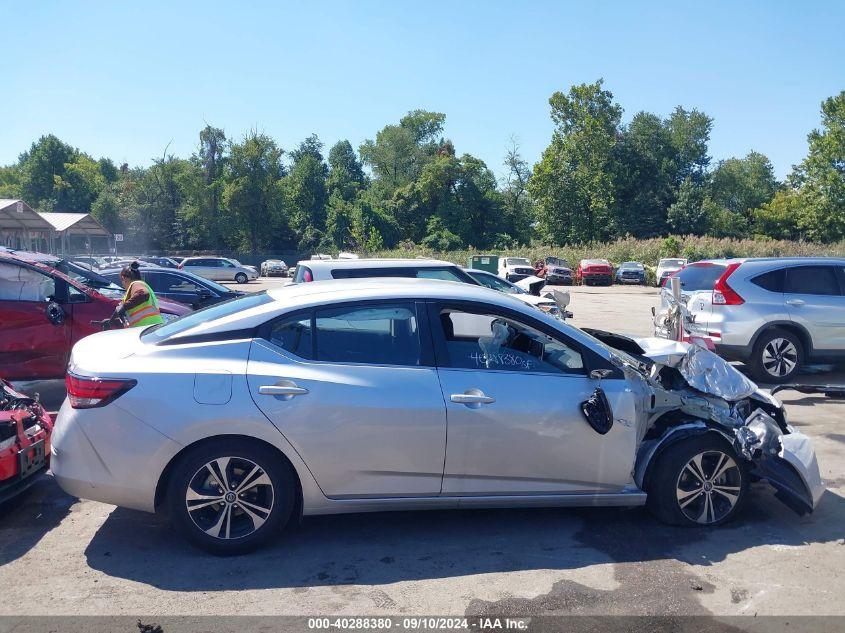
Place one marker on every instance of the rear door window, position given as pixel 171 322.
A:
pixel 812 280
pixel 377 334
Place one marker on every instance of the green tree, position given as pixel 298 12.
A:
pixel 346 174
pixel 736 187
pixel 686 216
pixel 304 189
pixel 820 178
pixel 572 184
pixel 253 195
pixel 40 166
pixel 690 134
pixel 517 205
pixel 399 153
pixel 780 218
pixel 645 160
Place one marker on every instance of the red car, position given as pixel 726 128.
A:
pixel 594 271
pixel 25 429
pixel 44 312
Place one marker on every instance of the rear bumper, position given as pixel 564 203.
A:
pixel 109 455
pixel 558 279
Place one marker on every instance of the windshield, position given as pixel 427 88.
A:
pixel 158 333
pixel 496 283
pixel 672 262
pixel 518 261
pixel 557 261
pixel 632 265
pixel 700 276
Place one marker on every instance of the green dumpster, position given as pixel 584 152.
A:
pixel 490 263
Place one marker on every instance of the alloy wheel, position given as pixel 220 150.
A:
pixel 709 487
pixel 780 357
pixel 229 497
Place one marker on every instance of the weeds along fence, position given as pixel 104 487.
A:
pixel 647 251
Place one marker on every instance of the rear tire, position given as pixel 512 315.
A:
pixel 698 481
pixel 241 278
pixel 777 356
pixel 229 497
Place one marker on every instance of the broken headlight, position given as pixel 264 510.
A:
pixel 760 433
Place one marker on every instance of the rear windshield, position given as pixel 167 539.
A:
pixel 672 262
pixel 700 276
pixel 159 333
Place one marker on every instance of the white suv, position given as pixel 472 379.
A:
pixel 774 314
pixel 324 269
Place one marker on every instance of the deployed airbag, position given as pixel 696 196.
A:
pixel 705 371
pixel 22 284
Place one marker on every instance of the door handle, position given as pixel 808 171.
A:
pixel 472 398
pixel 284 390
pixel 795 302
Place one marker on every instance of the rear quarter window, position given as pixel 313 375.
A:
pixel 772 281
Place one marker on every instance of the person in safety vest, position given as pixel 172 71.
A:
pixel 139 307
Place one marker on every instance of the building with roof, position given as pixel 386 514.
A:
pixel 21 227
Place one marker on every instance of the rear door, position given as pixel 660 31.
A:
pixel 355 391
pixel 814 299
pixel 31 345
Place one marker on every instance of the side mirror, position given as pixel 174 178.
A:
pixel 55 313
pixel 204 293
pixel 598 374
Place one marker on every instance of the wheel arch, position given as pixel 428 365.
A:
pixel 650 451
pixel 789 326
pixel 166 473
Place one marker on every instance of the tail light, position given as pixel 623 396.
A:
pixel 723 294
pixel 87 393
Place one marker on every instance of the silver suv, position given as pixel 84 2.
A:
pixel 773 314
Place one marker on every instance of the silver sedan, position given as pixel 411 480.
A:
pixel 397 394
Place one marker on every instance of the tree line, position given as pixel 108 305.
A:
pixel 597 180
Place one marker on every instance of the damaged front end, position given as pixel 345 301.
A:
pixel 25 429
pixel 687 390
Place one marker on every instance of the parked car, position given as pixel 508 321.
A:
pixel 219 269
pixel 324 269
pixel 334 397
pixel 631 273
pixel 515 268
pixel 123 263
pixel 558 271
pixel 89 262
pixel 667 267
pixel 181 286
pixel 164 262
pixel 594 271
pixel 272 267
pixel 546 304
pixel 775 314
pixel 44 311
pixel 25 428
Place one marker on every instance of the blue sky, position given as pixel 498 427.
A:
pixel 125 79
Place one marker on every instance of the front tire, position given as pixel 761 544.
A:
pixel 241 278
pixel 698 481
pixel 777 356
pixel 229 497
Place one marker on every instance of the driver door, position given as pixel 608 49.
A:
pixel 513 397
pixel 31 345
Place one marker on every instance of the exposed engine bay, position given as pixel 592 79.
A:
pixel 688 390
pixel 25 429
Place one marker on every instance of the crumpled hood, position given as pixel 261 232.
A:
pixel 702 369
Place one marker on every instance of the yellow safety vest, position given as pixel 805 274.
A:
pixel 145 314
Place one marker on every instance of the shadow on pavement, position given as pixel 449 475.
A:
pixel 25 519
pixel 379 549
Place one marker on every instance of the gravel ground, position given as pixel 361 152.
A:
pixel 63 556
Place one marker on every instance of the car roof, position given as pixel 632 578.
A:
pixel 335 264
